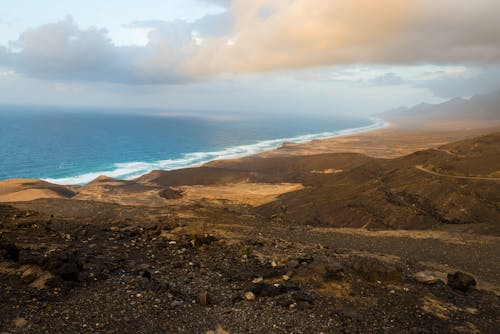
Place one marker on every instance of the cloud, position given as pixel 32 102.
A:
pixel 223 3
pixel 443 81
pixel 475 81
pixel 305 33
pixel 388 79
pixel 267 35
pixel 63 51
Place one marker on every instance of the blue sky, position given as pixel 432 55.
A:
pixel 324 56
pixel 114 15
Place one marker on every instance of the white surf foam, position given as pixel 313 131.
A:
pixel 132 170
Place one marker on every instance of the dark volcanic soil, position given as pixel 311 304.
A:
pixel 155 271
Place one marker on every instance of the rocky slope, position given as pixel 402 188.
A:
pixel 199 270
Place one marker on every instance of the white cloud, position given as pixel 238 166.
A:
pixel 269 35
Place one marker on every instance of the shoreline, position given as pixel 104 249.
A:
pixel 125 171
pixel 382 139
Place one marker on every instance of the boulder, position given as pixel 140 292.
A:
pixel 9 252
pixel 461 281
pixel 427 277
pixel 373 269
pixel 68 266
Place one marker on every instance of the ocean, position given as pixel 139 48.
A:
pixel 75 146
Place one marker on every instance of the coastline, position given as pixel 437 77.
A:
pixel 383 138
pixel 393 141
pixel 133 170
pixel 380 140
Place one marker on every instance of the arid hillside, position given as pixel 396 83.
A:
pixel 453 186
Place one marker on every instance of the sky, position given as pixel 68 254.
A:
pixel 287 56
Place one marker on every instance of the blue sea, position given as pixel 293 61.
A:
pixel 74 146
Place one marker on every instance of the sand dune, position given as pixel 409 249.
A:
pixel 19 190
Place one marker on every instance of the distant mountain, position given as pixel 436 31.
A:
pixel 478 110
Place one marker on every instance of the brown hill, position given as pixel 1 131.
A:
pixel 291 169
pixel 17 190
pixel 454 184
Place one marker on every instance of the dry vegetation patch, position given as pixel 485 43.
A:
pixel 253 194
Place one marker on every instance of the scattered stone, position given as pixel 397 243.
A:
pixel 176 303
pixel 202 298
pixel 427 277
pixel 249 295
pixel 29 275
pixel 258 280
pixel 461 281
pixel 20 322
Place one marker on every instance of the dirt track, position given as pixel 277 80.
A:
pixel 482 178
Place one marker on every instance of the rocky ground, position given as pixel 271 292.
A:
pixel 196 269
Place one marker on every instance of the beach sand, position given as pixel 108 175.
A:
pixel 391 142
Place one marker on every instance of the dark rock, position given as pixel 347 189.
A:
pixel 461 281
pixel 272 272
pixel 146 274
pixel 263 289
pixel 9 252
pixel 299 296
pixel 284 301
pixel 373 269
pixel 169 193
pixel 68 266
pixel 166 227
pixel 334 272
pixel 69 271
pixel 199 240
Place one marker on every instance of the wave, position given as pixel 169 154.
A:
pixel 132 170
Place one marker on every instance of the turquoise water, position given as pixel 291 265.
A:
pixel 75 146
